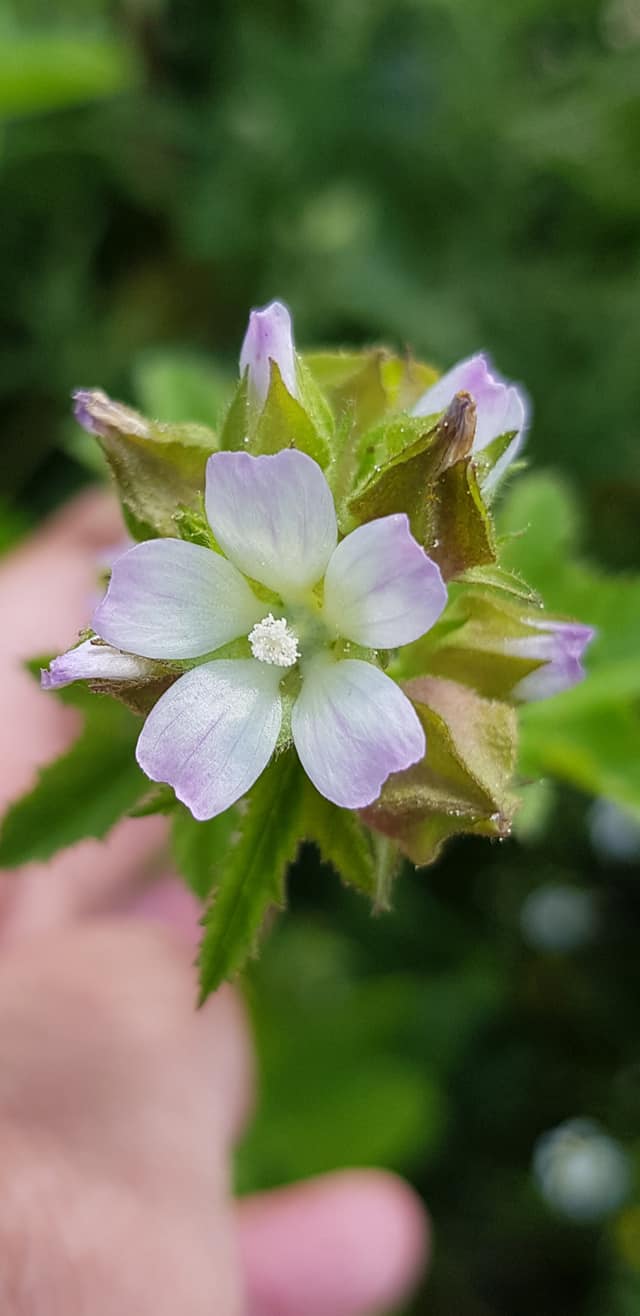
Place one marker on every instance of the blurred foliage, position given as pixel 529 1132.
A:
pixel 450 176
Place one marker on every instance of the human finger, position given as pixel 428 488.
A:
pixel 352 1243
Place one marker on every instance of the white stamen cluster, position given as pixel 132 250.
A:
pixel 273 642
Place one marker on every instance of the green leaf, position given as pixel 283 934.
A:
pixel 157 468
pixel 81 794
pixel 180 386
pixel 252 877
pixel 463 784
pixel 50 70
pixel 341 839
pixel 587 736
pixel 200 848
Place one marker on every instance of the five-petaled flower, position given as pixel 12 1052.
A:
pixel 295 601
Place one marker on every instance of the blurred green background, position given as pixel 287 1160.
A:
pixel 452 176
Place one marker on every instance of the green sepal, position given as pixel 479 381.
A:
pixel 463 784
pixel 468 643
pixel 157 468
pixel 489 457
pixel 459 531
pixel 199 848
pixel 369 385
pixel 252 875
pixel 191 524
pixel 283 421
pixel 81 794
pixel 422 466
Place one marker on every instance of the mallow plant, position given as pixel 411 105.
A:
pixel 311 636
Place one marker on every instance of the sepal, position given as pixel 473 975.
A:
pixel 157 468
pixel 463 785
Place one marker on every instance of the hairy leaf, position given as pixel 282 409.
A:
pixel 252 876
pixel 81 794
pixel 200 848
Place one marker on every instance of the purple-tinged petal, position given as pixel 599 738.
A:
pixel 91 661
pixel 268 338
pixel 559 647
pixel 99 414
pixel 381 589
pixel 213 733
pixel 273 516
pixel 501 407
pixel 171 599
pixel 352 726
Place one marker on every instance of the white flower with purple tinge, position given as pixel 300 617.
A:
pixel 501 408
pixel 213 732
pixel 269 338
pixel 559 646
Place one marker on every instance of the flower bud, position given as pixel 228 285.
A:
pixel 268 338
pixel 100 415
pixel 501 407
pixel 560 647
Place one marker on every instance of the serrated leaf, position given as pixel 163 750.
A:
pixel 160 799
pixel 252 878
pixel 200 848
pixel 82 794
pixel 341 839
pixel 463 784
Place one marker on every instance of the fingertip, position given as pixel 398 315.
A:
pixel 362 1242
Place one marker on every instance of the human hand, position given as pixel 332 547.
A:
pixel 118 1101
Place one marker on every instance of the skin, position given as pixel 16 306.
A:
pixel 119 1103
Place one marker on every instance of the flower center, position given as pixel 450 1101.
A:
pixel 273 641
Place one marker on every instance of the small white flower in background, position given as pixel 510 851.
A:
pixel 269 337
pixel 501 408
pixel 614 832
pixel 558 917
pixel 581 1171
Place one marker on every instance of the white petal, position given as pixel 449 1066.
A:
pixel 352 726
pixel 273 516
pixel 381 589
pixel 213 733
pixel 94 662
pixel 171 599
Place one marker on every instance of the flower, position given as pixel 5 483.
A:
pixel 268 338
pixel 94 661
pixel 214 730
pixel 560 647
pixel 501 408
